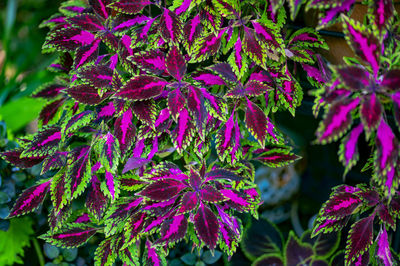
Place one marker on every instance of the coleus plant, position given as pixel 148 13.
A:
pixel 364 92
pixel 142 93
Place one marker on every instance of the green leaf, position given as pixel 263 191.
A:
pixel 13 241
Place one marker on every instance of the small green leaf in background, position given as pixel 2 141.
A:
pixel 20 112
pixel 13 241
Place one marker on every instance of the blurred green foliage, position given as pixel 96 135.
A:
pixel 22 65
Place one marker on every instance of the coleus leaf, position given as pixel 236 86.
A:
pixel 128 6
pixel 30 199
pixel 152 61
pixel 385 216
pixel 109 151
pixel 327 225
pixel 207 226
pixel 183 132
pixel 391 79
pixel 294 7
pixel 88 22
pixel 100 76
pixel 205 47
pixel 348 150
pixel 78 173
pixel 13 157
pixel 175 63
pixel 134 163
pixel 105 253
pixel 219 173
pixel 125 130
pixel 252 48
pixel 332 11
pixel 141 88
pixel 134 227
pixel 228 141
pixel 122 23
pixel 195 104
pixel 170 26
pixel 382 13
pixel 371 112
pixel 363 42
pixel 354 77
pixel 145 111
pixel 173 229
pixel 192 32
pixel 176 102
pixel 359 239
pixel 224 70
pixel 86 94
pixel 337 120
pixel 340 205
pixel 163 189
pixel 70 237
pixel 101 7
pixel 45 142
pixel 210 194
pixel 152 256
pixel 297 252
pixel 60 192
pixel 96 201
pixel 269 259
pixel 383 249
pixel 68 39
pixel 111 185
pixel 229 9
pixel 58 218
pixel 189 202
pixel 48 91
pixel 257 122
pixel 50 110
pixel 275 157
pixel 77 121
pixel 386 149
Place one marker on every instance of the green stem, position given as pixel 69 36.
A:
pixel 38 251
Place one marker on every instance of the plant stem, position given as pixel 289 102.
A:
pixel 294 217
pixel 38 251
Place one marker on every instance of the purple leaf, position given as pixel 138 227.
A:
pixel 49 111
pixel 382 12
pixel 100 76
pixel 105 252
pixel 152 256
pixel 71 237
pixel 354 77
pixel 268 37
pixel 359 239
pixel 176 102
pixel 141 88
pixel 256 122
pixel 220 173
pixel 297 252
pixel 125 130
pixel 13 157
pixel 96 201
pixel 183 132
pixel 129 6
pixel 86 94
pixel 60 196
pixel 252 48
pixel 79 171
pixel 383 249
pixel 163 189
pixel 110 153
pixel 224 70
pixel 206 46
pixel 170 26
pixel 152 61
pixel 58 218
pixel 77 121
pixel 30 199
pixel 385 216
pixel 49 91
pixel 370 112
pixel 348 151
pixel 195 104
pixel 145 111
pixel 173 229
pixel 340 205
pixel 275 157
pixel 391 79
pixel 101 7
pixel 112 185
pixel 334 11
pixel 123 23
pixel 68 39
pixel 207 226
pixel 386 149
pixel 86 54
pixel 327 225
pixel 175 63
pixel 88 22
pixel 134 163
pixel 45 142
pixel 192 32
pixel 56 161
pixel 210 194
pixel 364 43
pixel 208 79
pixel 228 141
pixel 268 259
pixel 337 120
pixel 189 202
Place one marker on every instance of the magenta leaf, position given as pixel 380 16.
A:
pixel 207 226
pixel 78 172
pixel 30 199
pixel 86 94
pixel 100 76
pixel 383 249
pixel 176 102
pixel 297 252
pixel 152 256
pixel 145 111
pixel 128 6
pixel 382 13
pixel 173 229
pixel 189 202
pixel 371 112
pixel 48 91
pixel 195 104
pixel 348 150
pixel 385 216
pixel 50 110
pixel 88 22
pixel 152 61
pixel 386 149
pixel 163 189
pixel 252 48
pixel 101 7
pixel 13 157
pixel 354 77
pixel 192 32
pixel 56 161
pixel 45 142
pixel 364 43
pixel 206 46
pixel 219 173
pixel 183 132
pixel 141 88
pixel 210 194
pixel 60 196
pixel 391 79
pixel 109 151
pixel 111 185
pixel 70 237
pixel 134 163
pixel 228 141
pixel 76 122
pixel 340 205
pixel 175 63
pixel 360 239
pixel 275 157
pixel 337 120
pixel 125 130
pixel 68 39
pixel 96 201
pixel 170 26
pixel 257 122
